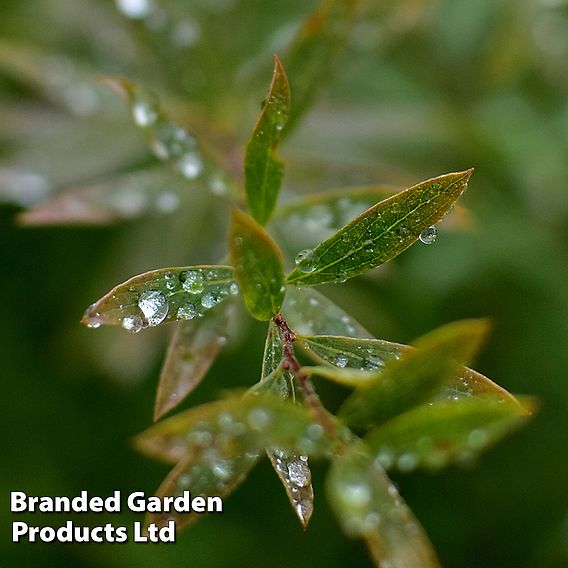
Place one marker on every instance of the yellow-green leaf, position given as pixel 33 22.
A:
pixel 412 379
pixel 258 266
pixel 435 435
pixel 263 167
pixel 381 232
pixel 369 506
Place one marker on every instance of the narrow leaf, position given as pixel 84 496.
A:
pixel 347 377
pixel 202 474
pixel 306 221
pixel 235 426
pixel 292 468
pixel 124 196
pixel 193 349
pixel 258 266
pixel 170 142
pixel 375 354
pixel 368 506
pixel 312 53
pixel 414 377
pixel 435 435
pixel 162 296
pixel 263 167
pixel 382 232
pixel 309 312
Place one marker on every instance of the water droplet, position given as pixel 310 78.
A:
pixel 258 418
pixel 299 472
pixel 187 312
pixel 172 280
pixel 477 439
pixel 341 360
pixel 428 236
pixel 210 299
pixel 167 202
pixel 315 432
pixel 94 324
pixel 406 462
pixel 356 495
pixel 193 281
pixel 222 469
pixel 154 306
pixel 135 9
pixel 385 458
pixel 190 165
pixel 133 324
pixel 233 289
pixel 307 260
pixel 144 113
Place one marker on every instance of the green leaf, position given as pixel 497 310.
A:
pixel 263 167
pixel 306 221
pixel 170 142
pixel 375 354
pixel 309 312
pixel 162 296
pixel 235 426
pixel 291 467
pixel 450 431
pixel 380 233
pixel 194 347
pixel 258 266
pixel 368 506
pixel 203 474
pixel 412 379
pixel 312 53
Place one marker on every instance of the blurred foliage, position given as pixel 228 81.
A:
pixel 423 86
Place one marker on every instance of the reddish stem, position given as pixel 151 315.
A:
pixel 291 362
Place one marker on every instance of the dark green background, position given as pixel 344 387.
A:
pixel 423 88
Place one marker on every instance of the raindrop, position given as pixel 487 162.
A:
pixel 133 324
pixel 233 288
pixel 190 165
pixel 167 202
pixel 172 281
pixel 258 418
pixel 210 300
pixel 356 494
pixel 193 281
pixel 187 312
pixel 144 113
pixel 341 360
pixel 154 306
pixel 94 324
pixel 406 462
pixel 135 9
pixel 428 236
pixel 299 472
pixel 307 260
pixel 477 439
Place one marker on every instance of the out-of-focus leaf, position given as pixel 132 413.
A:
pixel 235 426
pixel 347 377
pixel 203 473
pixel 435 435
pixel 258 266
pixel 380 233
pixel 311 55
pixel 412 379
pixel 306 221
pixel 292 468
pixel 374 354
pixel 161 296
pixel 311 313
pixel 368 506
pixel 170 142
pixel 124 196
pixel 263 167
pixel 193 349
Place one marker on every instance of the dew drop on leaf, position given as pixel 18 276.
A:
pixel 133 324
pixel 193 281
pixel 154 306
pixel 187 312
pixel 428 236
pixel 341 360
pixel 306 260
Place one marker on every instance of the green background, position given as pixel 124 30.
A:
pixel 422 88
